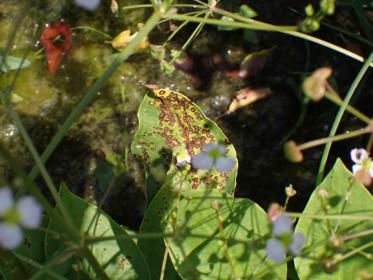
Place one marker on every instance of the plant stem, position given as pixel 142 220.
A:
pixel 100 273
pixel 356 235
pixel 339 116
pixel 354 252
pixel 32 263
pixel 337 100
pixel 227 23
pixel 29 184
pixel 335 138
pixel 48 180
pixel 293 32
pixel 94 30
pixel 347 217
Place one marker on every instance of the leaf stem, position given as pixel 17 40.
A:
pixel 335 138
pixel 339 116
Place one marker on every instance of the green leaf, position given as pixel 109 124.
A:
pixel 13 63
pixel 11 267
pixel 120 259
pixel 226 28
pixel 219 237
pixel 33 247
pixel 153 249
pixel 246 11
pixel 338 194
pixel 169 123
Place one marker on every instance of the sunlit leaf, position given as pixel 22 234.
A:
pixel 219 237
pixel 124 38
pixel 338 194
pixel 170 124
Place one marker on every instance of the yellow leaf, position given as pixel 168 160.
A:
pixel 124 38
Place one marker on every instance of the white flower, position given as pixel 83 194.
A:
pixel 213 155
pixel 182 158
pixel 362 161
pixel 26 212
pixel 90 5
pixel 363 167
pixel 284 240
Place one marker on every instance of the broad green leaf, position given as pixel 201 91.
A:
pixel 120 259
pixel 153 249
pixel 219 237
pixel 33 245
pixel 13 63
pixel 170 122
pixel 338 194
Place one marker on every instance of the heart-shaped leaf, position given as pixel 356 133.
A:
pixel 337 248
pixel 169 123
pixel 118 258
pixel 217 236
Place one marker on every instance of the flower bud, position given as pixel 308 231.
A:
pixel 274 211
pixel 314 85
pixel 292 152
pixel 289 191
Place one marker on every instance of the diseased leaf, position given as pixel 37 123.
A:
pixel 338 194
pixel 169 123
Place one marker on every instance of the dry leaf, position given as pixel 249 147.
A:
pixel 124 38
pixel 254 63
pixel 114 6
pixel 246 97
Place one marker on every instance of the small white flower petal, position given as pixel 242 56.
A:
pixel 358 155
pixel 221 148
pixel 90 5
pixel 11 236
pixel 282 225
pixel 356 168
pixel 297 244
pixel 6 199
pixel 224 164
pixel 209 147
pixel 275 250
pixel 202 161
pixel 30 212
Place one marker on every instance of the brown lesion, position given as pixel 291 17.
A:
pixel 194 136
pixel 177 114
